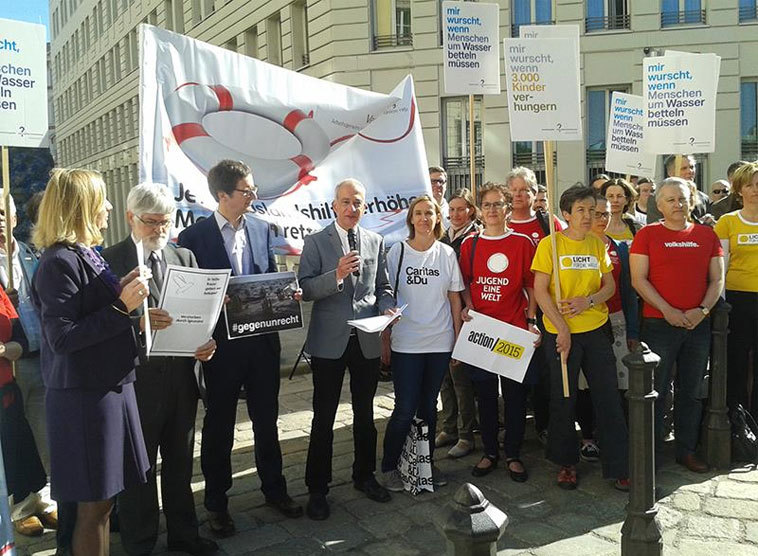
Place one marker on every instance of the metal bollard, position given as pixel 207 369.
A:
pixel 471 525
pixel 718 431
pixel 641 533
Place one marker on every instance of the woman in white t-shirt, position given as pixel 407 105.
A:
pixel 426 277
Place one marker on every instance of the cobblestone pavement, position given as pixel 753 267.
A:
pixel 699 514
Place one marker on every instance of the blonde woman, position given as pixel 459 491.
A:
pixel 87 355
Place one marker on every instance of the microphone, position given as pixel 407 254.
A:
pixel 353 247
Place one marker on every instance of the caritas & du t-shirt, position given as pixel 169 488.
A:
pixel 678 263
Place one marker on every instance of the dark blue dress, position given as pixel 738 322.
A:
pixel 88 351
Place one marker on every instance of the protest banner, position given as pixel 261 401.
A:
pixel 300 135
pixel 495 346
pixel 624 151
pixel 679 93
pixel 551 32
pixel 471 62
pixel 262 303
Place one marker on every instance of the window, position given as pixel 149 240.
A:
pixel 455 141
pixel 598 108
pixel 681 12
pixel 201 9
pixel 531 12
pixel 116 58
pixel 605 15
pixel 748 10
pixel 251 42
pixel 231 44
pixel 749 119
pixel 391 23
pixel 300 55
pixel 274 39
pixel 132 52
pixel 532 155
pixel 174 15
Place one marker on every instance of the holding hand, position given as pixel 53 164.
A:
pixel 465 317
pixel 134 293
pixel 206 351
pixel 136 271
pixel 534 330
pixel 675 317
pixel 573 306
pixel 694 317
pixel 348 264
pixel 563 341
pixel 159 319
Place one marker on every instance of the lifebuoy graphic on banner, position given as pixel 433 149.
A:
pixel 189 105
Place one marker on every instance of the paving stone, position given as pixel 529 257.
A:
pixel 535 533
pixel 294 547
pixel 727 507
pixel 687 501
pixel 578 546
pixel 692 547
pixel 395 548
pixel 702 526
pixel 386 525
pixel 254 539
pixel 751 532
pixel 735 489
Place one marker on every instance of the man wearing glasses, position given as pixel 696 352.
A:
pixel 166 388
pixel 236 239
pixel 438 178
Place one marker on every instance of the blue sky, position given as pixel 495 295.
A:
pixel 34 11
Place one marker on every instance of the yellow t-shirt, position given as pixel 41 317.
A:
pixel 582 265
pixel 742 274
pixel 626 236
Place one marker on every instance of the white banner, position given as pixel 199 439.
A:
pixel 23 84
pixel 542 76
pixel 300 135
pixel 679 94
pixel 624 151
pixel 470 39
pixel 495 346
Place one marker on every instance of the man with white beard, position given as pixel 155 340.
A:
pixel 166 387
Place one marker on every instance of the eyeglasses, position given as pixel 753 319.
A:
pixel 603 215
pixel 439 181
pixel 498 205
pixel 720 191
pixel 155 223
pixel 248 193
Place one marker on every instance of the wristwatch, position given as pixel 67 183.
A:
pixel 531 320
pixel 706 311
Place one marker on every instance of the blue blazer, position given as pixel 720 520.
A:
pixel 85 342
pixel 204 239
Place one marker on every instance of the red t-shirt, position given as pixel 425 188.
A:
pixel 614 303
pixel 501 271
pixel 679 262
pixel 532 229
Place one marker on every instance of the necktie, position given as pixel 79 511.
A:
pixel 157 269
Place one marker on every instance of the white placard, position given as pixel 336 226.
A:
pixel 551 32
pixel 542 77
pixel 495 346
pixel 470 38
pixel 624 151
pixel 23 84
pixel 679 95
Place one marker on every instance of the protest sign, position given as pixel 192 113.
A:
pixel 495 346
pixel 551 32
pixel 470 39
pixel 301 136
pixel 542 78
pixel 679 93
pixel 624 151
pixel 262 303
pixel 23 84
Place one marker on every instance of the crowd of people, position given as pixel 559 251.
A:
pixel 87 412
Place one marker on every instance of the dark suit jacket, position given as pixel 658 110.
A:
pixel 85 342
pixel 204 239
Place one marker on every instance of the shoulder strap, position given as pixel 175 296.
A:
pixel 474 239
pixel 399 264
pixel 542 218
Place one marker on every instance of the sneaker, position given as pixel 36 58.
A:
pixel 438 478
pixel 462 448
pixel 589 452
pixel 567 478
pixel 542 437
pixel 622 485
pixel 391 481
pixel 444 439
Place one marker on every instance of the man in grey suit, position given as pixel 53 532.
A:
pixel 166 387
pixel 343 271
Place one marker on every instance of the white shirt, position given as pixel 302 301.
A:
pixel 425 279
pixel 146 252
pixel 235 243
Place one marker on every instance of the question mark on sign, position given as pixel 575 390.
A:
pixel 559 126
pixel 22 129
pixel 692 141
pixel 639 165
pixel 482 82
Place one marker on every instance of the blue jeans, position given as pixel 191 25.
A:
pixel 689 349
pixel 417 378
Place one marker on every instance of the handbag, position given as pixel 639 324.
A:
pixel 744 435
pixel 385 368
pixel 415 465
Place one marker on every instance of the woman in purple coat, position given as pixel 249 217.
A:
pixel 87 357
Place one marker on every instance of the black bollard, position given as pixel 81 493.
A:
pixel 718 433
pixel 641 533
pixel 471 525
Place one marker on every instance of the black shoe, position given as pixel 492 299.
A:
pixel 518 476
pixel 286 506
pixel 221 524
pixel 373 490
pixel 199 547
pixel 317 508
pixel 477 471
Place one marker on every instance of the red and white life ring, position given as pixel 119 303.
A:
pixel 188 105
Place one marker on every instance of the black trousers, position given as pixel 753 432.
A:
pixel 167 397
pixel 327 386
pixel 254 363
pixel 742 339
pixel 592 352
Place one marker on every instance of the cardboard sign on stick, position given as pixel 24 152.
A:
pixel 624 151
pixel 543 89
pixel 470 36
pixel 679 95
